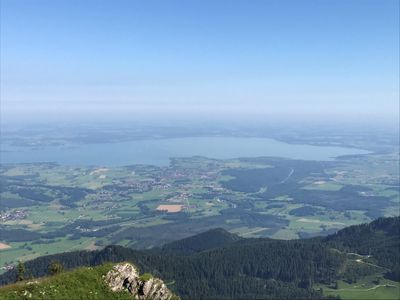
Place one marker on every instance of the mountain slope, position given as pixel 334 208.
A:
pixel 228 267
pixel 214 238
pixel 121 281
pixel 378 240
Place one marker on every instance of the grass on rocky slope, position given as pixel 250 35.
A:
pixel 82 283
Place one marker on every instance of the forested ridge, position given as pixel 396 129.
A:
pixel 379 239
pixel 218 264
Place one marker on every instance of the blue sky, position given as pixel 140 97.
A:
pixel 321 57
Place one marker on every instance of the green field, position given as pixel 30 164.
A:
pixel 49 208
pixel 366 289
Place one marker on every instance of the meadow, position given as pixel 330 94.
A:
pixel 49 208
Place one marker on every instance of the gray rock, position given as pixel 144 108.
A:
pixel 126 277
pixel 121 277
pixel 154 288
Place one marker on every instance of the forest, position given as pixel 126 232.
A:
pixel 219 264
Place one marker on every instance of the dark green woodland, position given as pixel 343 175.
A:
pixel 218 264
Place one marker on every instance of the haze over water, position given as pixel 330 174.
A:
pixel 159 151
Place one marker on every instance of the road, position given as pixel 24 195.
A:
pixel 366 290
pixel 290 175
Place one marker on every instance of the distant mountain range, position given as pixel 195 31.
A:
pixel 220 265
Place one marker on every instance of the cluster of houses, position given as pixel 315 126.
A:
pixel 13 215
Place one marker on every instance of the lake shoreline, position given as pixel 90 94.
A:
pixel 158 152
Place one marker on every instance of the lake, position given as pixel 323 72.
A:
pixel 159 151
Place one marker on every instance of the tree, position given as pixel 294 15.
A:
pixel 376 281
pixel 305 283
pixel 55 267
pixel 20 271
pixel 336 286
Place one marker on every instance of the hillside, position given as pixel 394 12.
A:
pixel 108 281
pixel 357 259
pixel 379 240
pixel 211 239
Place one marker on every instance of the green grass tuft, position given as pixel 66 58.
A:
pixel 82 283
pixel 145 277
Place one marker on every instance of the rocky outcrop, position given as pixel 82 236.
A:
pixel 126 277
pixel 154 288
pixel 121 277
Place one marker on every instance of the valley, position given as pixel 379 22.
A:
pixel 357 262
pixel 50 208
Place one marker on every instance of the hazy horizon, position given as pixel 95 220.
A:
pixel 112 61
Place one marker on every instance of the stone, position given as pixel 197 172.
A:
pixel 154 288
pixel 122 276
pixel 125 276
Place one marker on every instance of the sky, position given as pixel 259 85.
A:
pixel 116 59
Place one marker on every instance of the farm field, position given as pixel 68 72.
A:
pixel 49 208
pixel 366 288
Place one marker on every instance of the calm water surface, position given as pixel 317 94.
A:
pixel 158 152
